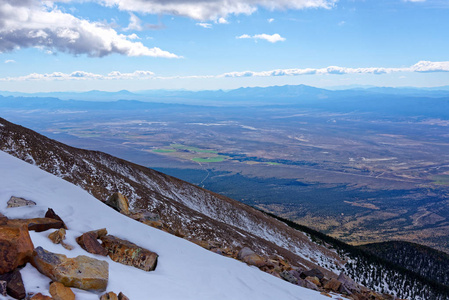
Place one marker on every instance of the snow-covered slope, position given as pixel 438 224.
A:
pixel 185 270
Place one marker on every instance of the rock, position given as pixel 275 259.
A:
pixel 314 280
pixel 19 202
pixel 147 216
pixel 60 292
pixel 122 297
pixel 130 254
pixel 39 296
pixel 88 241
pixel 326 294
pixel 312 273
pixel 109 296
pixel 348 283
pixel 15 287
pixel 119 202
pixel 251 258
pixel 3 284
pixel 52 215
pixel 38 224
pixel 286 275
pixel 307 284
pixel 80 272
pixel 16 247
pixel 333 285
pixel 58 237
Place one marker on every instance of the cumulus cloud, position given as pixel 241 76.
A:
pixel 211 9
pixel 270 38
pixel 32 23
pixel 222 21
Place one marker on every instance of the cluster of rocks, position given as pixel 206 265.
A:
pixel 277 266
pixel 82 272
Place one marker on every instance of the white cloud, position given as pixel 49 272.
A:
pixel 204 25
pixel 134 23
pixel 211 9
pixel 270 20
pixel 420 67
pixel 81 75
pixel 222 21
pixel 270 38
pixel 10 61
pixel 33 23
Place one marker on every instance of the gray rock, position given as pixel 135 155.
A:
pixel 312 273
pixel 288 276
pixel 19 202
pixel 3 284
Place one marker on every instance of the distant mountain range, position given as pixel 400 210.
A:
pixel 250 95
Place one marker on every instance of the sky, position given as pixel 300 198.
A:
pixel 111 45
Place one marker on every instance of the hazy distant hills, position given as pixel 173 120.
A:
pixel 288 94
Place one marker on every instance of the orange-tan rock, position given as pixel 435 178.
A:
pixel 16 247
pixel 38 224
pixel 39 296
pixel 251 258
pixel 82 272
pixel 109 296
pixel 333 285
pixel 60 292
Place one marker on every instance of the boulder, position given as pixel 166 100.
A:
pixel 119 202
pixel 312 273
pixel 307 284
pixel 80 272
pixel 121 296
pixel 348 283
pixel 60 292
pixel 251 258
pixel 14 286
pixel 314 280
pixel 286 275
pixel 109 296
pixel 333 285
pixel 52 215
pixel 88 241
pixel 19 202
pixel 16 247
pixel 130 254
pixel 3 284
pixel 39 296
pixel 38 224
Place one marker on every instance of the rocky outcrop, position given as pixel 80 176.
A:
pixel 348 285
pixel 60 292
pixel 130 254
pixel 119 202
pixel 81 272
pixel 16 247
pixel 19 202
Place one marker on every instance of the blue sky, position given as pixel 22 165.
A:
pixel 78 45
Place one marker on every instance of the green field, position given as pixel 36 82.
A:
pixel 192 149
pixel 209 159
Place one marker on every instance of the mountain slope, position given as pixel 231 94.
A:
pixel 197 213
pixel 184 271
